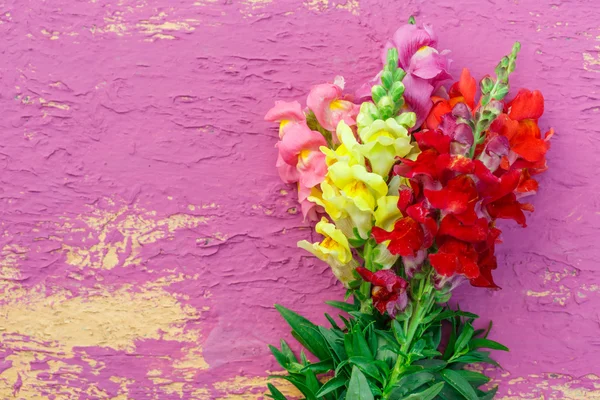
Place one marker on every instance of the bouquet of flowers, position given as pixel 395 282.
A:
pixel 406 180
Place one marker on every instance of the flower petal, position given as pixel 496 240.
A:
pixel 526 105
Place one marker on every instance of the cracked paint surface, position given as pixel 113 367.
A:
pixel 145 234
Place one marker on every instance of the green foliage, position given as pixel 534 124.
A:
pixel 369 356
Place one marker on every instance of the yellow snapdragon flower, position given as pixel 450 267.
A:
pixel 334 249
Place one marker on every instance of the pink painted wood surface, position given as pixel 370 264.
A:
pixel 146 235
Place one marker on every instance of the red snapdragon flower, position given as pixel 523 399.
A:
pixel 405 239
pixel 389 290
pixel 462 91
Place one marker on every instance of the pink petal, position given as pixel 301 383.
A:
pixel 408 39
pixel 298 138
pixel 285 110
pixel 312 169
pixel 428 64
pixel 418 96
pixel 288 173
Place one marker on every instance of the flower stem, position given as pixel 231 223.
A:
pixel 422 302
pixel 365 287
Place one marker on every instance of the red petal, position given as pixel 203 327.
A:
pixel 405 198
pixel 455 256
pixel 526 183
pixel 505 126
pixel 418 212
pixel 526 105
pixel 389 280
pixel 440 108
pixel 455 163
pixel 484 174
pixel 444 264
pixel 457 197
pixel 364 273
pixel 429 232
pixel 487 262
pixel 505 185
pixel 425 164
pixel 451 226
pixel 528 143
pixel 381 235
pixel 429 139
pixel 466 88
pixel 508 207
pixel 405 239
pixel 468 267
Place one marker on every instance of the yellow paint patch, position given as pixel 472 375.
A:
pixel 107 319
pixel 137 227
pixel 591 62
pixel 10 257
pixel 316 5
pixel 351 6
pixel 53 329
pixel 153 27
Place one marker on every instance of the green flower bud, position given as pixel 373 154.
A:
pixel 486 85
pixel 399 74
pixel 377 92
pixel 392 59
pixel 386 107
pixel 387 79
pixel 501 91
pixel 396 91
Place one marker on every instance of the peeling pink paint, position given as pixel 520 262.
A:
pixel 135 163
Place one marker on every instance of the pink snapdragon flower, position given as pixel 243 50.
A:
pixel 425 66
pixel 288 114
pixel 331 106
pixel 300 159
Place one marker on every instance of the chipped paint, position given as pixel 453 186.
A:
pixel 145 234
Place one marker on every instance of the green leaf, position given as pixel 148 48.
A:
pixel 331 385
pixel 459 383
pixel 476 357
pixel 287 351
pixel 398 332
pixel 360 346
pixel 320 367
pixel 279 356
pixel 342 305
pixel 358 388
pixel 427 394
pixel 478 343
pixel 300 385
pixel 409 383
pixel 432 365
pixel 448 314
pixel 305 332
pixel 448 393
pixel 367 366
pixel 334 324
pixel 474 378
pixel 464 338
pixel 335 341
pixel 275 393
